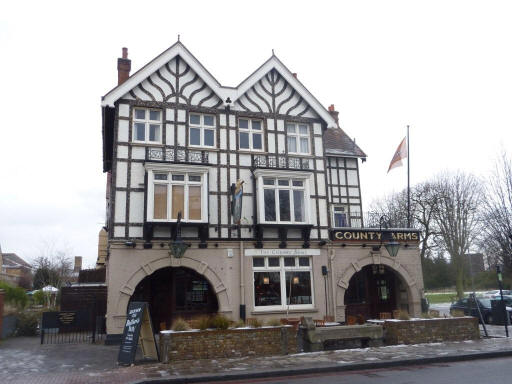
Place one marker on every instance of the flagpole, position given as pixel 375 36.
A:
pixel 408 182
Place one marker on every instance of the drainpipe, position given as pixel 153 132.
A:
pixel 242 283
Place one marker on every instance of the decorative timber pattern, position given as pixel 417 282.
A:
pixel 175 82
pixel 284 100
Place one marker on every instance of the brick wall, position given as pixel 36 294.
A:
pixel 431 330
pixel 211 344
pixel 1 310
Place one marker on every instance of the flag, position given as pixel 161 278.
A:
pixel 401 153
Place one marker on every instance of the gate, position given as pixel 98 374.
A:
pixel 81 326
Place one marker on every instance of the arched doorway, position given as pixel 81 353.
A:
pixel 175 292
pixel 376 288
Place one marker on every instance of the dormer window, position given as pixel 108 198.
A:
pixel 147 125
pixel 201 130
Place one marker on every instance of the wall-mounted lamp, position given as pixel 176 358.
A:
pixel 321 243
pixel 132 244
pixel 295 279
pixel 266 280
pixel 177 247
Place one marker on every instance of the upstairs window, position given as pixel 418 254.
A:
pixel 173 192
pixel 283 200
pixel 147 125
pixel 339 216
pixel 201 130
pixel 297 138
pixel 250 134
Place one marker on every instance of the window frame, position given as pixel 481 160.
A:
pixel 297 135
pixel 250 131
pixel 202 127
pixel 153 169
pixel 302 176
pixel 282 269
pixel 147 122
pixel 333 214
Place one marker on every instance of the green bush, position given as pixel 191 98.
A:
pixel 274 322
pixel 39 297
pixel 239 324
pixel 203 322
pixel 27 323
pixel 14 296
pixel 220 322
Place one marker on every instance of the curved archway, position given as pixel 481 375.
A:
pixel 393 264
pixel 198 266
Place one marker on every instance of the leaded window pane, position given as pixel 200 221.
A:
pixel 160 176
pixel 195 136
pixel 289 261
pixel 244 140
pixel 194 178
pixel 270 204
pixel 194 203
pixel 178 177
pixel 298 287
pixel 154 115
pixel 140 114
pixel 256 141
pixel 258 261
pixel 284 205
pixel 273 261
pixel 268 181
pixel 208 137
pixel 298 205
pixel 140 131
pixel 195 119
pixel 303 261
pixel 283 182
pixel 267 288
pixel 208 120
pixel 292 144
pixel 160 202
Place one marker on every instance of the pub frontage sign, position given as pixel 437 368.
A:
pixel 367 235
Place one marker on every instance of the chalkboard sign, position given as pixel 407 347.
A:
pixel 137 327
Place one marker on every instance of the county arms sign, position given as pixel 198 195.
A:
pixel 375 235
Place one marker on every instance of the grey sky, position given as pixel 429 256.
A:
pixel 444 67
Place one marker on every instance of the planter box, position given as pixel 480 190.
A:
pixel 211 344
pixel 418 331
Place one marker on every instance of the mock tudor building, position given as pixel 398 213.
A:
pixel 262 185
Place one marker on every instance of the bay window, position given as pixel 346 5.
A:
pixel 171 191
pixel 283 199
pixel 297 137
pixel 147 125
pixel 282 282
pixel 201 130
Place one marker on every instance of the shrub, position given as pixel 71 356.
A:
pixel 426 315
pixel 253 322
pixel 220 322
pixel 202 322
pixel 15 296
pixel 274 322
pixel 404 315
pixel 27 323
pixel 239 324
pixel 180 325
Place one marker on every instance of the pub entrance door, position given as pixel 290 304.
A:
pixel 173 293
pixel 371 291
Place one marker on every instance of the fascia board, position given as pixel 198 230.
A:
pixel 176 50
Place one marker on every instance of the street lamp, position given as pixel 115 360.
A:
pixel 392 246
pixel 177 247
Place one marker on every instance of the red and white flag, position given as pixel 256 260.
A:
pixel 401 153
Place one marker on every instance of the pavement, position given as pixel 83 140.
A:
pixel 24 360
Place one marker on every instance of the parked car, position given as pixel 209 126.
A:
pixel 491 294
pixel 468 306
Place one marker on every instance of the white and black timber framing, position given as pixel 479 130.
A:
pixel 176 90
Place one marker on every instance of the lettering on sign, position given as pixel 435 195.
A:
pixel 375 235
pixel 282 252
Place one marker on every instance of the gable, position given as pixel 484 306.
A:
pixel 273 94
pixel 177 82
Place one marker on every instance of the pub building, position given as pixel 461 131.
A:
pixel 243 201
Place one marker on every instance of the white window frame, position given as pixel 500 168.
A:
pixel 282 276
pixel 250 131
pixel 333 212
pixel 147 122
pixel 202 128
pixel 297 136
pixel 176 170
pixel 261 174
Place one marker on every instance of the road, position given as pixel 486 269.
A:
pixel 467 372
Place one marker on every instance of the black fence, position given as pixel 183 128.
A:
pixel 68 327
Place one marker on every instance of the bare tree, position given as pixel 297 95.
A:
pixel 496 213
pixel 458 196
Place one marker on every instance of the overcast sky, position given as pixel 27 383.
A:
pixel 444 67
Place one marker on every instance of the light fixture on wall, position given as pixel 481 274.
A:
pixel 295 279
pixel 391 245
pixel 266 280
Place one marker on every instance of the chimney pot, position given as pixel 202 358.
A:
pixel 334 113
pixel 125 53
pixel 294 75
pixel 331 108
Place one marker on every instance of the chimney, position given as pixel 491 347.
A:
pixel 123 67
pixel 334 113
pixel 78 264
